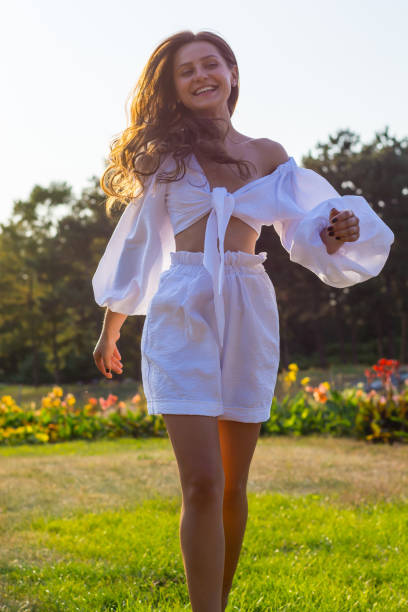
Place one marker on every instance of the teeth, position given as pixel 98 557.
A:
pixel 204 89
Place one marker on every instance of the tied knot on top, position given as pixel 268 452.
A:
pixel 222 207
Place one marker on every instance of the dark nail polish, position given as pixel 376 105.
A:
pixel 331 233
pixel 330 228
pixel 334 220
pixel 337 238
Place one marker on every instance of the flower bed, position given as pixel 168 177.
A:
pixel 61 418
pixel 370 414
pixel 375 415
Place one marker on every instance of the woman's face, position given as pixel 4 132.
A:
pixel 197 65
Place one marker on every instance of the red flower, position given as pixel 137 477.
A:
pixel 384 368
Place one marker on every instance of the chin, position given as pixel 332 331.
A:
pixel 210 107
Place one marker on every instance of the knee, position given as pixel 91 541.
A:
pixel 203 489
pixel 235 490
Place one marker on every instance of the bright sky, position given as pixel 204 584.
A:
pixel 307 69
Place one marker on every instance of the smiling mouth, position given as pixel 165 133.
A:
pixel 207 91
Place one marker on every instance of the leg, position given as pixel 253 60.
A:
pixel 238 442
pixel 196 444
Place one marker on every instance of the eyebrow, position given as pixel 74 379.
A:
pixel 201 58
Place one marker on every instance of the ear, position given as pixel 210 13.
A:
pixel 234 76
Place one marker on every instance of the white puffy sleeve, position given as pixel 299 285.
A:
pixel 138 251
pixel 304 200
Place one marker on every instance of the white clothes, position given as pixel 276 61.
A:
pixel 183 369
pixel 296 201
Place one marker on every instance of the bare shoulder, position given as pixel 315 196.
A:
pixel 272 153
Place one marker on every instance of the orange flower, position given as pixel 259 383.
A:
pixel 111 399
pixel 319 396
pixel 102 403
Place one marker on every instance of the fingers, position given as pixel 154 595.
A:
pixel 106 365
pixel 344 226
pixel 116 365
pixel 100 364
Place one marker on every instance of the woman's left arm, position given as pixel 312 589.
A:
pixel 339 238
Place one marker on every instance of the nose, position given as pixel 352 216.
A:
pixel 201 72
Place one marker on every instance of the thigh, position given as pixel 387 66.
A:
pixel 238 442
pixel 196 445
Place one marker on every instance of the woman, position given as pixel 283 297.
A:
pixel 183 253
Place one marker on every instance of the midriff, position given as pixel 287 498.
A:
pixel 239 236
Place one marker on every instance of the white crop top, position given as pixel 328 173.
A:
pixel 296 201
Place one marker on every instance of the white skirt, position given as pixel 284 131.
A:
pixel 183 369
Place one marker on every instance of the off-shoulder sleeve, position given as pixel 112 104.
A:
pixel 304 200
pixel 138 251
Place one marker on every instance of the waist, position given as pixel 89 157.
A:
pixel 238 236
pixel 232 259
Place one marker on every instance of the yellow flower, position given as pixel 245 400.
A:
pixel 46 402
pixel 57 391
pixel 8 400
pixel 70 399
pixel 289 378
pixel 43 437
pixel 293 366
pixel 325 385
pixel 305 380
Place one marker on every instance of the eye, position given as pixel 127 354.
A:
pixel 213 64
pixel 185 73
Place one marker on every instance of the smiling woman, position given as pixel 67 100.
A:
pixel 183 254
pixel 203 80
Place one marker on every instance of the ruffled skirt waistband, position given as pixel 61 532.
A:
pixel 231 258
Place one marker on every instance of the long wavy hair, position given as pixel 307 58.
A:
pixel 159 125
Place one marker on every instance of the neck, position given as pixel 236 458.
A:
pixel 223 113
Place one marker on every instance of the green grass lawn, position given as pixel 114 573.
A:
pixel 94 526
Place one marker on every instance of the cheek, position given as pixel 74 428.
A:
pixel 226 81
pixel 178 86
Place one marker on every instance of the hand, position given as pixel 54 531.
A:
pixel 107 356
pixel 344 226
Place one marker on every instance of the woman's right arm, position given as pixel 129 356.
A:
pixel 106 354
